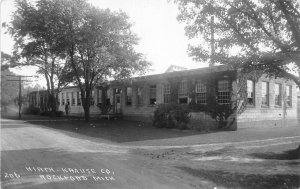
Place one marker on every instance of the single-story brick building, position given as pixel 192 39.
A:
pixel 270 101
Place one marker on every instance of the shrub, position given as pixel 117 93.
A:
pixel 105 107
pixel 59 113
pixel 52 114
pixel 32 110
pixel 171 116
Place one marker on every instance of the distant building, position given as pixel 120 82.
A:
pixel 271 102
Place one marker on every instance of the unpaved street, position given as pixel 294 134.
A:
pixel 37 157
pixel 41 154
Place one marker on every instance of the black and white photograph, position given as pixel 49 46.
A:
pixel 150 94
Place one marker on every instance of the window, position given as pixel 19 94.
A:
pixel 73 99
pixel 278 95
pixel 183 93
pixel 250 92
pixel 265 94
pixel 92 101
pixel 108 92
pixel 68 97
pixel 139 96
pixel 62 99
pixel 288 96
pixel 201 93
pixel 99 96
pixel 152 94
pixel 167 93
pixel 78 98
pixel 223 92
pixel 129 96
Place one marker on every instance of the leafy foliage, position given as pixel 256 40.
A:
pixel 256 35
pixel 32 110
pixel 35 31
pixel 105 106
pixel 99 45
pixel 9 90
pixel 71 40
pixel 171 116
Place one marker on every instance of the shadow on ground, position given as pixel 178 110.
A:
pixel 246 181
pixel 286 155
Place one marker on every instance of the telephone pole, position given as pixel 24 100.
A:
pixel 20 89
pixel 212 41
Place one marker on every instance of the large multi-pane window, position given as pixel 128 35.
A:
pixel 278 95
pixel 108 95
pixel 167 93
pixel 265 93
pixel 62 99
pixel 152 94
pixel 183 93
pixel 201 93
pixel 78 98
pixel 92 101
pixel 139 96
pixel 250 92
pixel 73 98
pixel 129 96
pixel 288 95
pixel 99 96
pixel 223 92
pixel 68 97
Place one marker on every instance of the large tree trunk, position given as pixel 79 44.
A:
pixel 87 113
pixel 86 104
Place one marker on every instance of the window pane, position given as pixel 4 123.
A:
pixel 223 86
pixel 200 93
pixel 129 96
pixel 265 93
pixel 153 94
pixel 250 92
pixel 289 95
pixel 183 91
pixel 278 95
pixel 223 92
pixel 167 93
pixel 78 98
pixel 139 96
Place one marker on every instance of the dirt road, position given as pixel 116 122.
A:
pixel 51 156
pixel 39 157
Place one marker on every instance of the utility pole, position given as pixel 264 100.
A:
pixel 212 41
pixel 20 89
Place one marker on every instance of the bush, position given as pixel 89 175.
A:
pixel 52 114
pixel 171 116
pixel 32 110
pixel 59 113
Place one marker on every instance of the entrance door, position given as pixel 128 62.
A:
pixel 118 103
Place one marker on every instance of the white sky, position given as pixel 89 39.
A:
pixel 162 37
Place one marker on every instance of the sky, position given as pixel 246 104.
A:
pixel 162 37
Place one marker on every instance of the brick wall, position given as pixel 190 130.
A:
pixel 272 115
pixel 74 108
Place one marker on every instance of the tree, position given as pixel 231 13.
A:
pixel 35 31
pixel 9 90
pixel 99 46
pixel 252 34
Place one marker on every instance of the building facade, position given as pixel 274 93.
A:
pixel 270 101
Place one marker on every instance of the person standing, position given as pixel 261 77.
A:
pixel 67 108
